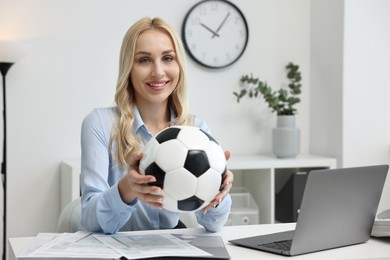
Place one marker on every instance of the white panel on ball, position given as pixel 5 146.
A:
pixel 168 151
pixel 169 202
pixel 216 157
pixel 208 185
pixel 193 138
pixel 174 184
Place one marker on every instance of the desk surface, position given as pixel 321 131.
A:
pixel 373 249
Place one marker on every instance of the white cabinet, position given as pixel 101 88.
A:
pixel 257 174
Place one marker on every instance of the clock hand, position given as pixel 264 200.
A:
pixel 220 26
pixel 207 28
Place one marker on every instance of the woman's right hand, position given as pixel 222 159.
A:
pixel 135 185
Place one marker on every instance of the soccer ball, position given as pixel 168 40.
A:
pixel 189 166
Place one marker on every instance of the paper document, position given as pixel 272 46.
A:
pixel 128 245
pixel 40 240
pixel 146 246
pixel 75 245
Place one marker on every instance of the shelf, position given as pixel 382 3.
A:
pixel 267 162
pixel 257 174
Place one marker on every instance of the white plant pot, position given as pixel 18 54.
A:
pixel 286 137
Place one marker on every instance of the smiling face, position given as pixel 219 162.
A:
pixel 155 72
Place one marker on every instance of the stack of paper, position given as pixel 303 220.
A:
pixel 382 225
pixel 86 245
pixel 381 228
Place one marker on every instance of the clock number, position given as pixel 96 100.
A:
pixel 202 10
pixel 214 6
pixel 228 56
pixel 195 21
pixel 194 46
pixel 189 33
pixel 237 19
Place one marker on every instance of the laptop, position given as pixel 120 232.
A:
pixel 338 209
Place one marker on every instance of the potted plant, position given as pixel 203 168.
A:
pixel 286 138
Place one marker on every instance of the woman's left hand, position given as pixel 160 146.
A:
pixel 225 188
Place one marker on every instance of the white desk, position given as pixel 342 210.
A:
pixel 373 249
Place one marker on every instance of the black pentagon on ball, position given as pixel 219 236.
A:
pixel 197 162
pixel 158 173
pixel 168 134
pixel 189 204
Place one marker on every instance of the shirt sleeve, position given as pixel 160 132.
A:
pixel 102 207
pixel 215 218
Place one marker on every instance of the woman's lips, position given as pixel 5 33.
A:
pixel 157 85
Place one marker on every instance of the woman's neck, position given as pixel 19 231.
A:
pixel 155 117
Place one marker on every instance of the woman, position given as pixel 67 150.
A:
pixel 150 96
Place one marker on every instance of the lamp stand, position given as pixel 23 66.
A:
pixel 4 67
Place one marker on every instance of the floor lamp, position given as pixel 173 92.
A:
pixel 10 52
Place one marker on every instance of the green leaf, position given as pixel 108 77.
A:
pixel 279 101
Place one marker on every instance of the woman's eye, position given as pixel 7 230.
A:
pixel 144 60
pixel 168 58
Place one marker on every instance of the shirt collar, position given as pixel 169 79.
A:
pixel 139 123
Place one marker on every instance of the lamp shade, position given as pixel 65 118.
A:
pixel 11 52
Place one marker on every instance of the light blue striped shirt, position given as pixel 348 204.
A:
pixel 102 207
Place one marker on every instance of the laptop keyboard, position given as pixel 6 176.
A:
pixel 280 245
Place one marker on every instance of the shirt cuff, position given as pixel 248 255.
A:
pixel 115 201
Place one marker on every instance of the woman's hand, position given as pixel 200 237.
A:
pixel 135 185
pixel 225 188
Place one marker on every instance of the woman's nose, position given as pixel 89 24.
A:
pixel 157 70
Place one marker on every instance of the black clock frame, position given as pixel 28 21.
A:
pixel 188 50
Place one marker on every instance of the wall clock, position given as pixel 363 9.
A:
pixel 215 33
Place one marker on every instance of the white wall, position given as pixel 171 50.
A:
pixel 350 89
pixel 72 68
pixel 366 106
pixel 326 70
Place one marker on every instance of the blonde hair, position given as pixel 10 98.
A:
pixel 127 142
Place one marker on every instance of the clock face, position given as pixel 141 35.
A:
pixel 215 33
